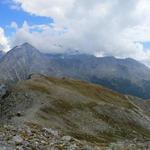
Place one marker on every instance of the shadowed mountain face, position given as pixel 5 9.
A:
pixel 127 76
pixel 85 111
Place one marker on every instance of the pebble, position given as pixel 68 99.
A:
pixel 66 138
pixel 50 131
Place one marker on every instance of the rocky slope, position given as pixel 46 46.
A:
pixel 34 137
pixel 84 111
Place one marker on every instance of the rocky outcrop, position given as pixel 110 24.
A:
pixel 32 136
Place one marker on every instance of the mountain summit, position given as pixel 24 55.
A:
pixel 22 61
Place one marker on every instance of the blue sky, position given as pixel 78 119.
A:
pixel 8 15
pixel 146 45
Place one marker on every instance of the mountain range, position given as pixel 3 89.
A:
pixel 72 93
pixel 126 76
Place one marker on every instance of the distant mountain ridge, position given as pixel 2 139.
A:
pixel 126 76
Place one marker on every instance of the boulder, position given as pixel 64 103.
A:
pixel 3 90
pixel 17 139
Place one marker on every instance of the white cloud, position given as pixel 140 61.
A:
pixel 101 27
pixel 13 25
pixel 3 41
pixel 44 37
pixel 50 8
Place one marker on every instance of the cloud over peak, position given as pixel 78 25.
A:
pixel 3 41
pixel 100 27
